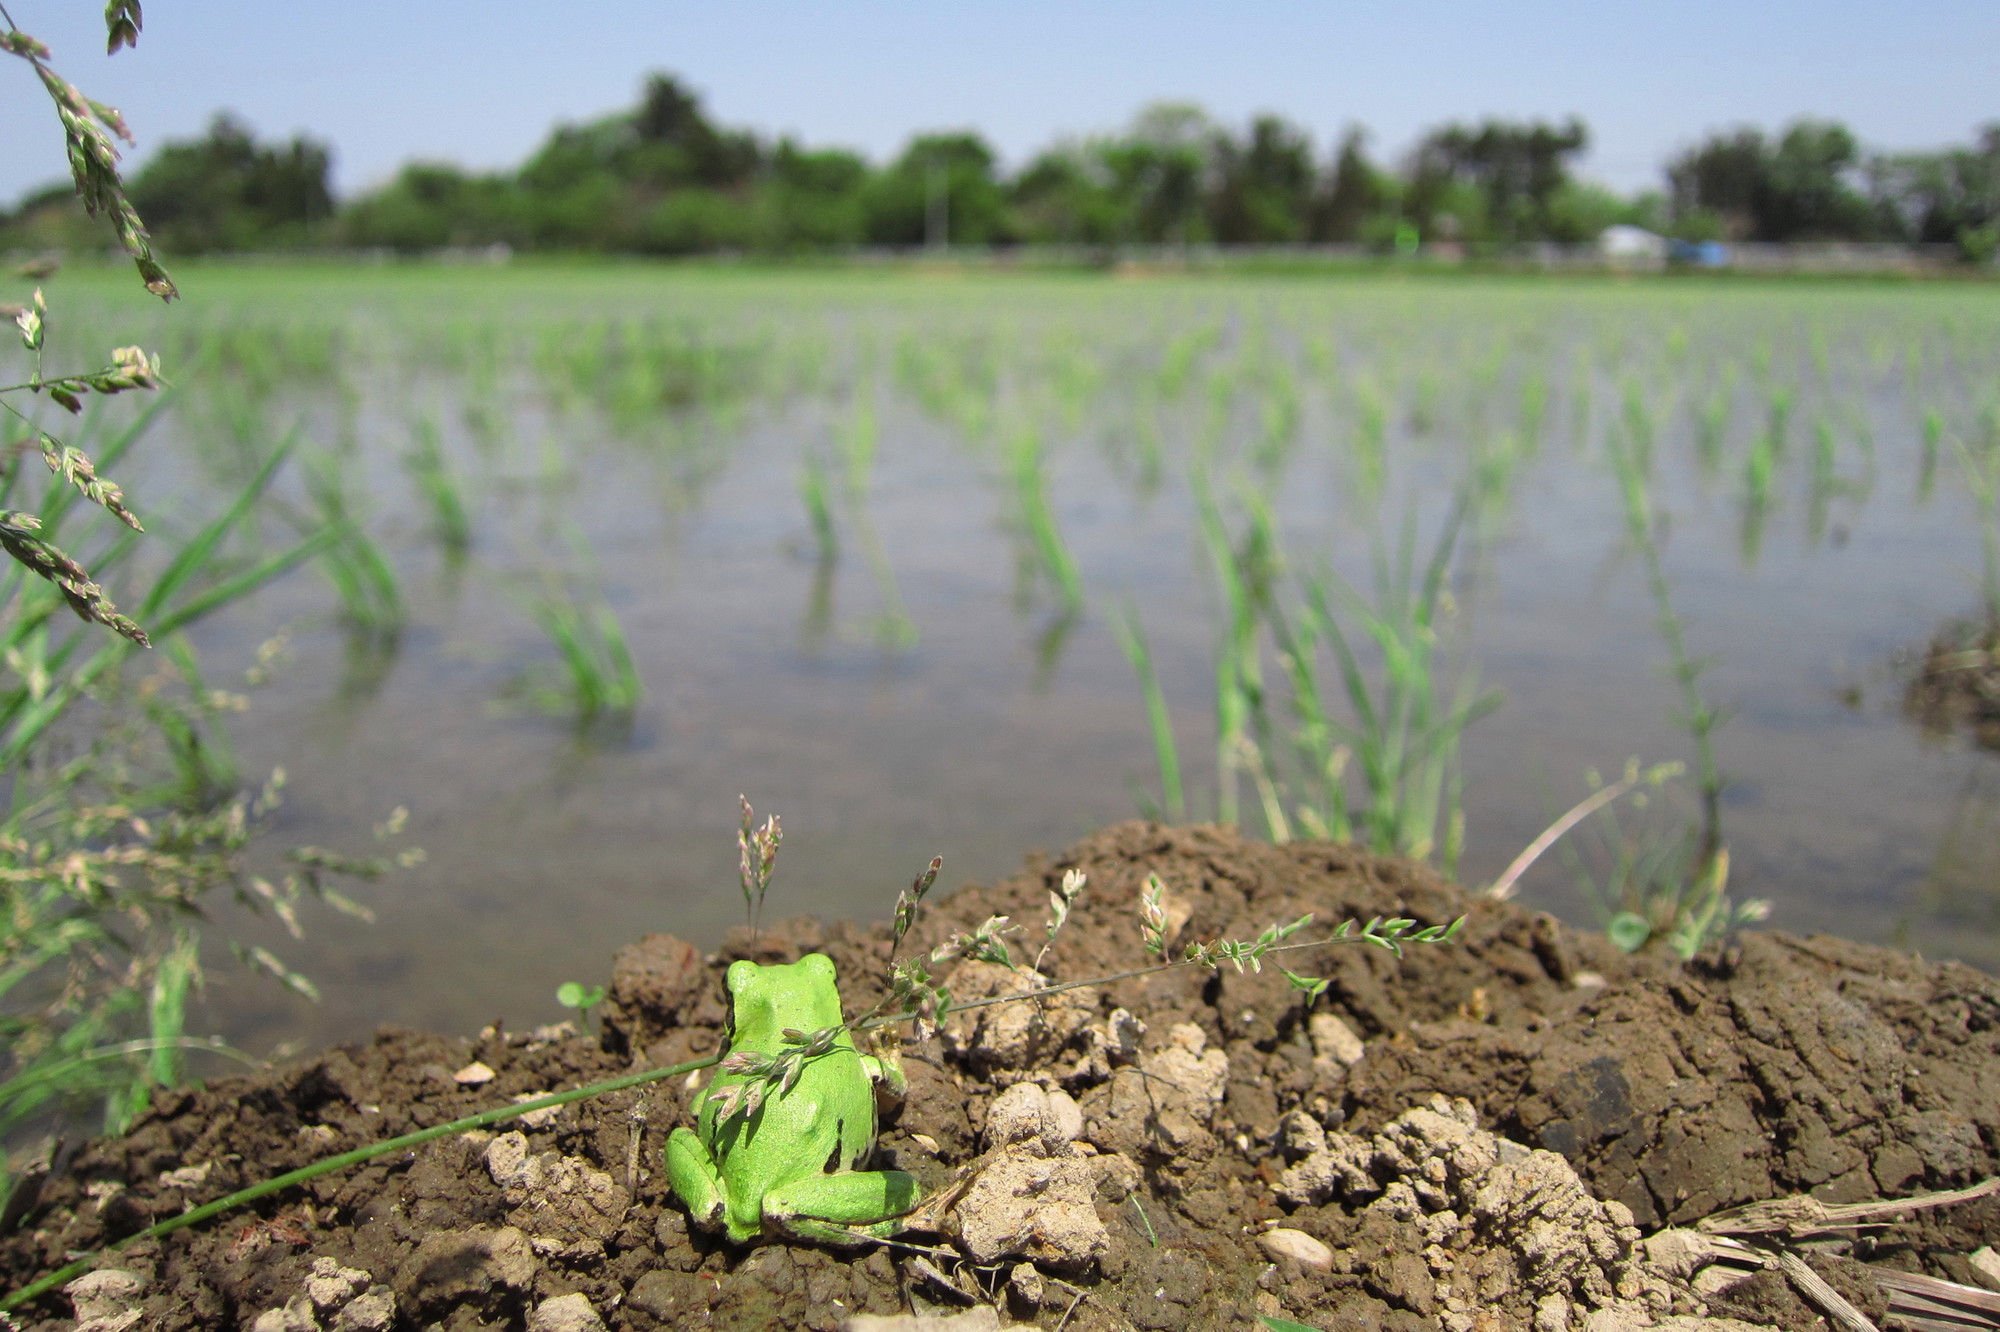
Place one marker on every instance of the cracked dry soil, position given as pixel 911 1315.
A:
pixel 1473 1139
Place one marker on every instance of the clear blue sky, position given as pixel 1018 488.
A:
pixel 481 83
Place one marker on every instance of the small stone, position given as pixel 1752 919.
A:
pixel 330 1286
pixel 1017 1114
pixel 473 1074
pixel 1334 1039
pixel 1187 1036
pixel 104 1294
pixel 1552 1314
pixel 507 1159
pixel 1026 1285
pixel 984 1318
pixel 566 1313
pixel 1025 1204
pixel 374 1311
pixel 542 1118
pixel 1298 1246
pixel 1065 1116
pixel 1588 980
pixel 1678 1253
pixel 1986 1266
pixel 296 1316
pixel 186 1177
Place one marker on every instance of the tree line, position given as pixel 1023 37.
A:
pixel 664 178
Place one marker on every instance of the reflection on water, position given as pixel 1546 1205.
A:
pixel 865 537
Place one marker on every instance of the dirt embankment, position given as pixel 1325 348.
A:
pixel 1474 1137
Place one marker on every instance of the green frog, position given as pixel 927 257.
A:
pixel 785 1163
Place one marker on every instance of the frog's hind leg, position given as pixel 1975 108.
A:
pixel 850 1207
pixel 691 1170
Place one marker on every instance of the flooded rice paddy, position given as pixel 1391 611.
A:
pixel 869 541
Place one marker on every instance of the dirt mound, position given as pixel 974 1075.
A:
pixel 1172 1151
pixel 1954 684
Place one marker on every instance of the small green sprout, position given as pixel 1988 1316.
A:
pixel 582 998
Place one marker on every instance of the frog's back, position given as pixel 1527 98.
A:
pixel 813 1128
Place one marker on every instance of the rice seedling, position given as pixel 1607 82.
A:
pixel 813 490
pixel 1182 355
pixel 1132 641
pixel 895 631
pixel 1675 886
pixel 1406 726
pixel 451 522
pixel 1147 441
pixel 1982 477
pixel 1400 741
pixel 371 603
pixel 1370 446
pixel 599 677
pixel 1037 518
pixel 1712 427
pixel 1759 471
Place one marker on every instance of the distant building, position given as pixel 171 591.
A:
pixel 1624 245
pixel 1701 254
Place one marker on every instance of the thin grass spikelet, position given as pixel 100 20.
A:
pixel 19 537
pixel 1153 916
pixel 758 848
pixel 75 467
pixel 910 899
pixel 984 944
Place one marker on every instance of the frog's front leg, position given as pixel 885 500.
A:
pixel 845 1208
pixel 885 1071
pixel 692 1172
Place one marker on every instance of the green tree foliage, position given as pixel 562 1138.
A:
pixel 1162 170
pixel 1494 181
pixel 226 191
pixel 1263 185
pixel 1949 197
pixel 1356 198
pixel 943 188
pixel 1804 186
pixel 431 205
pixel 1067 196
pixel 663 177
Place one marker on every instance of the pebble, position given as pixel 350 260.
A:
pixel 1298 1246
pixel 1334 1039
pixel 1986 1265
pixel 107 1300
pixel 473 1074
pixel 985 1318
pixel 372 1312
pixel 565 1313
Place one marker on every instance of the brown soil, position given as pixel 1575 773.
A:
pixel 1779 1065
